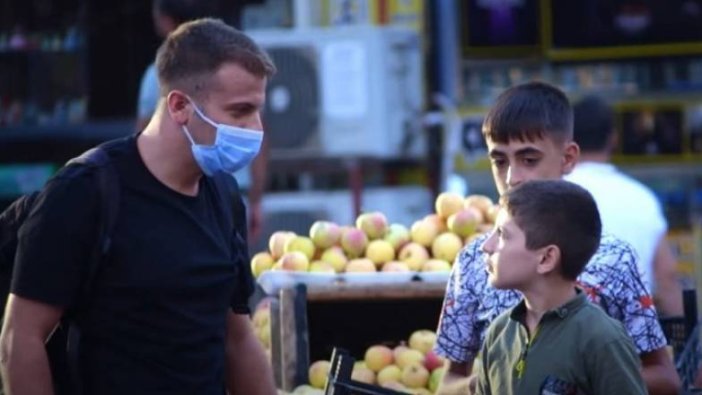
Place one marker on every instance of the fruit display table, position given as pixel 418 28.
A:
pixel 307 322
pixel 374 288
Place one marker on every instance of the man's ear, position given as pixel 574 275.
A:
pixel 571 153
pixel 550 259
pixel 178 106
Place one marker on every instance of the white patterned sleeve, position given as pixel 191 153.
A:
pixel 459 332
pixel 627 299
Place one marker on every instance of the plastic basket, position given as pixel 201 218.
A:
pixel 678 331
pixel 687 362
pixel 340 382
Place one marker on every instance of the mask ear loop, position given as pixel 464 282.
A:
pixel 187 134
pixel 202 115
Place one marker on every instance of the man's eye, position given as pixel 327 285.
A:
pixel 499 162
pixel 530 161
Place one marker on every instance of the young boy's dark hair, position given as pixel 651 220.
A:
pixel 529 111
pixel 559 213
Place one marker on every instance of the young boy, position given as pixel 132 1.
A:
pixel 529 136
pixel 554 341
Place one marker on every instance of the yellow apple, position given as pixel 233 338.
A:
pixel 438 221
pixel 437 375
pixel 302 244
pixel 276 244
pixel 380 251
pixel 261 318
pixel 318 373
pixel 396 386
pixel 261 262
pixel 395 266
pixel 294 261
pixel 422 340
pixel 397 235
pixel 354 242
pixel 321 267
pixel 377 357
pixel 361 373
pixel 335 256
pixel 423 232
pixel 481 202
pixel 414 255
pixel 448 203
pixel 446 246
pixel 465 222
pixel 409 357
pixel 436 265
pixel 388 374
pixel 373 224
pixel 325 234
pixel 360 265
pixel 415 376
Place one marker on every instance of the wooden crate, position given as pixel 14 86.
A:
pixel 307 323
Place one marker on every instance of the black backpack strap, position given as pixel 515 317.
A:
pixel 107 182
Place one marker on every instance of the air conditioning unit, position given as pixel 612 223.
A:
pixel 344 91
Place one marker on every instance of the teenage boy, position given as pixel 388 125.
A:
pixel 529 135
pixel 554 341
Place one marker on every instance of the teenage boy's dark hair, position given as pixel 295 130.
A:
pixel 193 53
pixel 594 124
pixel 559 213
pixel 530 111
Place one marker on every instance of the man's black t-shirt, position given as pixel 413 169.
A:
pixel 155 322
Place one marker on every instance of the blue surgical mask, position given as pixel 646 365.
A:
pixel 233 149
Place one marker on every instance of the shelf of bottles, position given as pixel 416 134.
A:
pixel 42 78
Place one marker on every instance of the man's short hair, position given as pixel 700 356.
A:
pixel 594 124
pixel 193 53
pixel 530 111
pixel 560 213
pixel 181 11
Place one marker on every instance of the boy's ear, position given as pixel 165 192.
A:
pixel 550 259
pixel 571 154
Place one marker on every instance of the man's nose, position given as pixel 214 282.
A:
pixel 514 176
pixel 488 245
pixel 256 122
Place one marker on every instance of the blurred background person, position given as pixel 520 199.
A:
pixel 628 208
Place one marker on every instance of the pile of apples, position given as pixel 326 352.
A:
pixel 262 325
pixel 373 244
pixel 410 367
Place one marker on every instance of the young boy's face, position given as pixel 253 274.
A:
pixel 510 265
pixel 520 161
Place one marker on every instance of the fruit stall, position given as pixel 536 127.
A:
pixel 374 288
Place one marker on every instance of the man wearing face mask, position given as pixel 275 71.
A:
pixel 168 314
pixel 167 16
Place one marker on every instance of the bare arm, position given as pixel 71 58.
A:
pixel 458 379
pixel 248 370
pixel 23 359
pixel 659 373
pixel 668 294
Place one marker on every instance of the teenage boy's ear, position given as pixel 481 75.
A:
pixel 550 259
pixel 571 153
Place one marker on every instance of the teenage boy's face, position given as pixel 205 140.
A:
pixel 510 265
pixel 519 161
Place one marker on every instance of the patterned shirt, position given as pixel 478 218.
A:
pixel 611 279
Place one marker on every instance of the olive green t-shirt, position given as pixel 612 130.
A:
pixel 576 349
